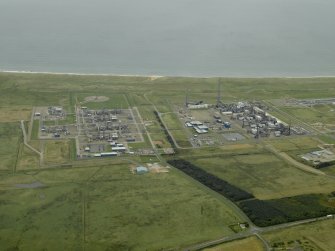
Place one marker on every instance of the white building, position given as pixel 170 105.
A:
pixel 200 106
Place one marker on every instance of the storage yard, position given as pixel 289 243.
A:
pixel 98 133
pixel 55 122
pixel 106 132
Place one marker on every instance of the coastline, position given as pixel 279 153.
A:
pixel 153 77
pixel 80 74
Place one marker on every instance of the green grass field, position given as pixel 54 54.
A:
pixel 100 205
pixel 10 139
pixel 27 159
pixel 35 130
pixel 324 114
pixel 108 207
pixel 264 175
pixel 115 101
pixel 180 134
pixel 60 151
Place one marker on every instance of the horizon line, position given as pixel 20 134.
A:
pixel 156 76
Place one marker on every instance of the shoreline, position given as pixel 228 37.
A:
pixel 159 76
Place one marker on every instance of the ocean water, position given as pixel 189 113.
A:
pixel 169 37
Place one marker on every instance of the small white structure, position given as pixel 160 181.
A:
pixel 141 170
pixel 277 133
pixel 196 123
pixel 119 149
pixel 203 127
pixel 109 154
pixel 258 110
pixel 200 131
pixel 259 118
pixel 200 106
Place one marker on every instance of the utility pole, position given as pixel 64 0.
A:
pixel 186 98
pixel 218 98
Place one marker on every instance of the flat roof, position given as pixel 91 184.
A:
pixel 196 122
pixel 203 127
pixel 118 148
pixel 141 169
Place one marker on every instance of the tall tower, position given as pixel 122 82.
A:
pixel 218 99
pixel 186 98
pixel 289 127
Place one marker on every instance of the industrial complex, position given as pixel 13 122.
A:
pixel 109 132
pixel 98 133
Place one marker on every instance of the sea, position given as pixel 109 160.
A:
pixel 201 38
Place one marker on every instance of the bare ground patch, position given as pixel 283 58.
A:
pixel 13 114
pixel 96 99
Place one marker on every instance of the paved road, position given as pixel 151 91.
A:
pixel 256 231
pixel 166 128
pixel 31 122
pixel 292 161
pixel 26 143
pixel 253 230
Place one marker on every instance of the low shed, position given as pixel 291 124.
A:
pixel 141 170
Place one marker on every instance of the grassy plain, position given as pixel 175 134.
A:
pixel 35 129
pixel 14 114
pixel 108 207
pixel 324 114
pixel 58 151
pixel 27 159
pixel 301 144
pixel 10 139
pixel 115 101
pixel 178 131
pixel 264 175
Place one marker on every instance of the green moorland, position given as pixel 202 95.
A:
pixel 58 202
pixel 263 174
pixel 107 208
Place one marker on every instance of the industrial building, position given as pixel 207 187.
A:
pixel 198 106
pixel 198 126
pixel 254 118
pixel 320 157
pixel 105 154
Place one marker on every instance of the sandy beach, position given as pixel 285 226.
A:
pixel 154 77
